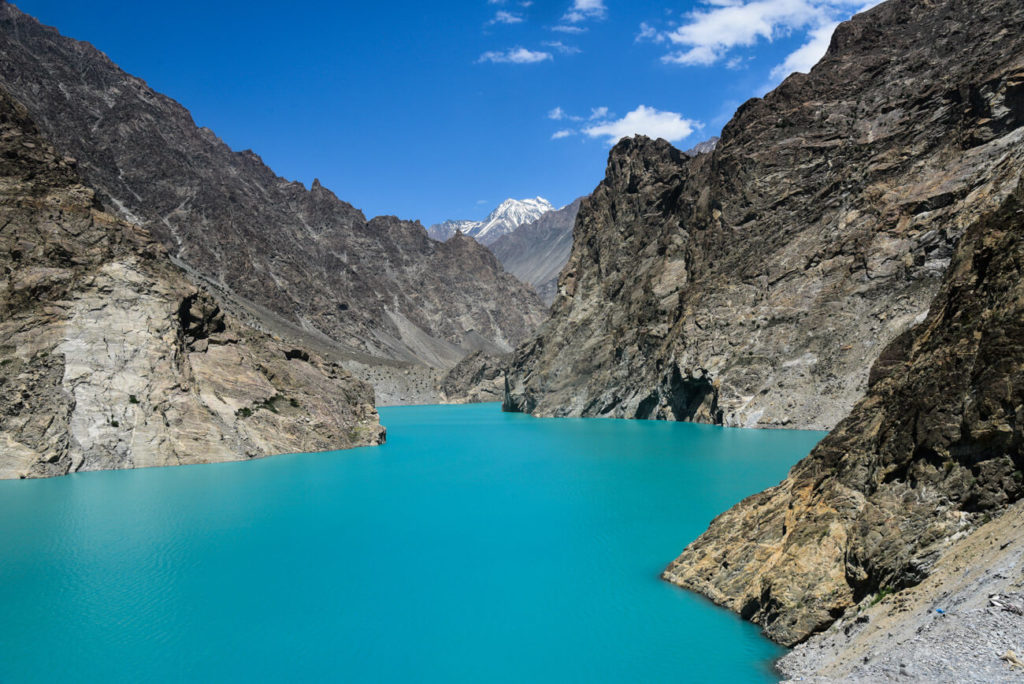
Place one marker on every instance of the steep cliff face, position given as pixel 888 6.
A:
pixel 934 449
pixel 755 284
pixel 111 358
pixel 536 252
pixel 478 377
pixel 378 287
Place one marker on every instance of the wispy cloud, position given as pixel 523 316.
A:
pixel 648 32
pixel 517 55
pixel 644 121
pixel 503 17
pixel 599 113
pixel 559 114
pixel 564 133
pixel 561 28
pixel 809 54
pixel 562 47
pixel 582 10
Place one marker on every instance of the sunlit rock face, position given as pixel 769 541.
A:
pixel 755 284
pixel 111 358
pixel 933 450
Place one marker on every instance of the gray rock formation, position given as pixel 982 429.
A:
pixel 444 231
pixel 536 252
pixel 961 624
pixel 379 287
pixel 705 147
pixel 477 378
pixel 935 449
pixel 755 284
pixel 111 358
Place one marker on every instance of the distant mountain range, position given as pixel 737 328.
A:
pixel 536 252
pixel 508 216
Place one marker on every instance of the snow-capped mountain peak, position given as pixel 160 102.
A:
pixel 508 216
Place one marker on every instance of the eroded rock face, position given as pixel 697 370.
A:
pixel 780 264
pixel 111 358
pixel 477 378
pixel 934 448
pixel 379 287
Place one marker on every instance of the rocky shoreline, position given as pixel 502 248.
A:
pixel 963 623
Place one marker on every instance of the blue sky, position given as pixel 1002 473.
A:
pixel 441 110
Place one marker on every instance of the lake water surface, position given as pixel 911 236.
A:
pixel 475 546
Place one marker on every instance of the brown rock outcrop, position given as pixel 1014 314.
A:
pixel 111 358
pixel 477 378
pixel 934 449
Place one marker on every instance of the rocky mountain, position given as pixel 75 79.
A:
pixel 283 256
pixel 505 219
pixel 111 358
pixel 935 449
pixel 537 251
pixel 755 285
pixel 708 145
pixel 477 378
pixel 447 229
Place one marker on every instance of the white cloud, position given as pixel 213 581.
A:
pixel 808 54
pixel 598 112
pixel 708 34
pixel 648 32
pixel 559 114
pixel 565 133
pixel 563 48
pixel 583 10
pixel 568 29
pixel 701 55
pixel 518 55
pixel 503 17
pixel 644 121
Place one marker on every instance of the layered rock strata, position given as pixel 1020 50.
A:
pixel 933 450
pixel 477 378
pixel 964 623
pixel 755 284
pixel 375 287
pixel 111 358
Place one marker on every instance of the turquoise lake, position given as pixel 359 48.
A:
pixel 475 546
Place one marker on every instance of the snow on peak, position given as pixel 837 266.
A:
pixel 508 216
